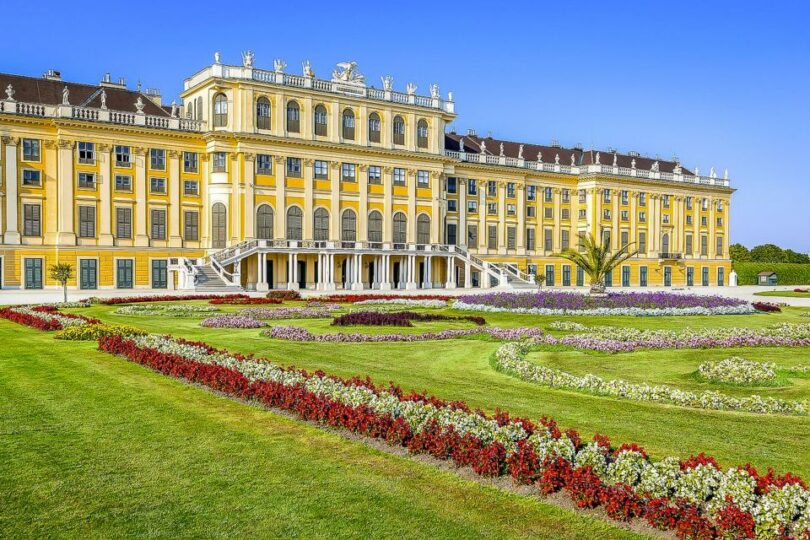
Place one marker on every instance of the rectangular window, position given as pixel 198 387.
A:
pixel 705 276
pixel 609 279
pixel 87 221
pixel 547 194
pixel 689 220
pixel 719 221
pixel 492 237
pixel 625 238
pixel 580 277
pixel 531 211
pixel 264 164
pixel 606 213
pixel 606 195
pixel 625 215
pixel 550 275
pixel 191 226
pixel 472 207
pixel 472 235
pixel 33 273
pixel 32 220
pixel 88 274
pixel 583 196
pixel 157 185
pixel 452 205
pixel 704 221
pixel 530 244
pixel 87 180
pixel 689 202
pixel 123 182
pixel 625 196
pixel 642 276
pixel 566 196
pixel 606 238
pixel 666 201
pixel 348 172
pixel 191 187
pixel 642 217
pixel 511 209
pixel 31 177
pixel 565 214
pixel 220 162
pixel 510 189
pixel 294 167
pixel 451 234
pixel 124 273
pixel 321 169
pixel 689 250
pixel 718 251
pixel 422 179
pixel 157 159
pixel 690 276
pixel 583 213
pixel 87 152
pixel 721 276
pixel 511 233
pixel 472 187
pixel 158 224
pixel 548 212
pixel 625 276
pixel 531 193
pixel 190 162
pixel 704 203
pixel 399 176
pixel 492 208
pixel 566 275
pixel 492 188
pixel 548 239
pixel 123 222
pixel 642 242
pixel 452 185
pixel 31 149
pixel 565 239
pixel 704 245
pixel 122 156
pixel 160 274
pixel 642 199
pixel 665 218
pixel 374 174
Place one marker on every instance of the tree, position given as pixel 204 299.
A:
pixel 62 272
pixel 739 253
pixel 770 253
pixel 596 260
pixel 796 258
pixel 540 279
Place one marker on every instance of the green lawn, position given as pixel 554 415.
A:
pixel 460 369
pixel 788 294
pixel 95 446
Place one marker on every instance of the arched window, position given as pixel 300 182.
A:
pixel 321 224
pixel 320 120
pixel 400 228
pixel 219 225
pixel 665 243
pixel 375 226
pixel 399 130
pixel 263 113
pixel 423 229
pixel 293 117
pixel 348 124
pixel 422 134
pixel 348 226
pixel 264 222
pixel 294 218
pixel 374 127
pixel 220 110
pixel 199 110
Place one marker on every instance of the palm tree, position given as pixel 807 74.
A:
pixel 61 272
pixel 596 260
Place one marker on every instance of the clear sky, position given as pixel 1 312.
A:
pixel 717 83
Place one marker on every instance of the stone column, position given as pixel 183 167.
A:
pixel 175 189
pixel 615 239
pixel 410 282
pixel 411 182
pixel 65 182
pixel 520 237
pixel 309 179
pixel 451 274
pixel 462 212
pixel 467 276
pixel 250 195
pixel 385 275
pixel 362 193
pixel 501 217
pixel 236 200
pixel 262 285
pixel 280 225
pixel 482 217
pixel 357 267
pixel 438 212
pixel 712 224
pixel 556 236
pixel 12 181
pixel 334 211
pixel 634 220
pixel 51 184
pixel 141 237
pixel 388 196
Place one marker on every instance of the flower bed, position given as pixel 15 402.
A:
pixel 171 310
pixel 44 317
pixel 354 298
pixel 287 313
pixel 399 318
pixel 158 298
pixel 231 321
pixel 637 304
pixel 404 302
pixel 92 332
pixel 569 326
pixel 243 300
pixel 511 358
pixel 284 295
pixel 695 497
pixel 767 307
pixel 296 333
pixel 736 370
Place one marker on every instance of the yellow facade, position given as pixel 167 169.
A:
pixel 345 174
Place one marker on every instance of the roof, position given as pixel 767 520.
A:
pixel 49 92
pixel 548 154
pixel 767 273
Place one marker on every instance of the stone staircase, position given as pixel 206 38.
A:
pixel 208 281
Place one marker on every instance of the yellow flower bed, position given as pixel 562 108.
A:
pixel 91 332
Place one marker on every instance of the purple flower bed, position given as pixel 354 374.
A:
pixel 231 321
pixel 295 333
pixel 692 342
pixel 399 318
pixel 576 301
pixel 286 313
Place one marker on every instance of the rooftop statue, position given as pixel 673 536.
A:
pixel 388 83
pixel 65 96
pixel 308 69
pixel 247 59
pixel 347 72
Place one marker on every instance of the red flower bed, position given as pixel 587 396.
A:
pixel 766 307
pixel 398 318
pixel 243 300
pixel 351 298
pixel 801 290
pixel 553 474
pixel 42 323
pixel 284 295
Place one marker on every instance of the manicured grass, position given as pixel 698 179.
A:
pixel 788 294
pixel 460 369
pixel 95 446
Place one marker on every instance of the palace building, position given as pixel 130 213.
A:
pixel 264 179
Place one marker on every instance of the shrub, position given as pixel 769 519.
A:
pixel 92 332
pixel 284 295
pixel 766 307
pixel 788 274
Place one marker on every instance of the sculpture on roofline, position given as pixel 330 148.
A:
pixel 247 58
pixel 598 157
pixel 539 157
pixel 615 159
pixel 557 158
pixel 654 167
pixel 65 96
pixel 434 91
pixel 9 93
pixel 410 88
pixel 139 104
pixel 174 109
pixel 712 173
pixel 388 83
pixel 483 147
pixel 501 150
pixel 449 96
pixel 279 65
pixel 573 159
pixel 461 144
pixel 347 72
pixel 103 97
pixel 633 164
pixel 308 69
pixel 217 57
pixel 520 152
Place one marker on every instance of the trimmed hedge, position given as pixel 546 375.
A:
pixel 787 273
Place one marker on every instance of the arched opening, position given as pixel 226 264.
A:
pixel 375 223
pixel 423 229
pixel 422 134
pixel 293 117
pixel 320 121
pixel 321 223
pixel 400 228
pixel 665 243
pixel 348 226
pixel 398 130
pixel 294 220
pixel 219 225
pixel 348 124
pixel 374 127
pixel 220 110
pixel 263 113
pixel 264 222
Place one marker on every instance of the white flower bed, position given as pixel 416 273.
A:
pixel 743 309
pixel 510 358
pixel 407 302
pixel 736 370
pixel 569 326
pixel 50 316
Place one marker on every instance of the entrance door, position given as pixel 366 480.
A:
pixel 219 219
pixel 344 275
pixel 302 274
pixel 372 274
pixel 422 277
pixel 271 281
pixel 396 274
pixel 667 276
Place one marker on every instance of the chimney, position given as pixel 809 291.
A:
pixel 633 153
pixel 471 132
pixel 107 81
pixel 555 143
pixel 154 96
pixel 52 75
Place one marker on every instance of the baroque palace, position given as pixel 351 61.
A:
pixel 264 179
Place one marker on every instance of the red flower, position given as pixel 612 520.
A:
pixel 621 502
pixel 734 523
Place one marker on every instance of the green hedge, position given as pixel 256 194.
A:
pixel 786 273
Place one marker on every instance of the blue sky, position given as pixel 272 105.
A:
pixel 720 83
